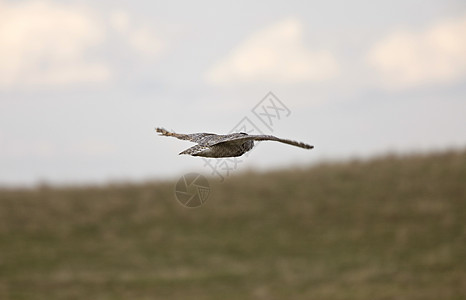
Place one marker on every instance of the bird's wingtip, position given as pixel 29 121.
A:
pixel 161 130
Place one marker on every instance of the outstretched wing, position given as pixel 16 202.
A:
pixel 194 137
pixel 218 139
pixel 210 139
pixel 241 138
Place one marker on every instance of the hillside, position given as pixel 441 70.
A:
pixel 387 228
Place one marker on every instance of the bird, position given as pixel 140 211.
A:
pixel 228 145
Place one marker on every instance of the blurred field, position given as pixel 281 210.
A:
pixel 388 228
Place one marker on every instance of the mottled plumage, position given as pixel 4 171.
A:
pixel 228 145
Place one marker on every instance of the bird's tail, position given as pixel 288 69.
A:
pixel 196 150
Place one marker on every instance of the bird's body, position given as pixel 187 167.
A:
pixel 228 145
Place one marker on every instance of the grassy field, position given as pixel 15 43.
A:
pixel 388 228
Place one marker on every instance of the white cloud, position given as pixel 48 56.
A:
pixel 141 38
pixel 49 44
pixel 145 42
pixel 276 54
pixel 42 43
pixel 120 21
pixel 437 55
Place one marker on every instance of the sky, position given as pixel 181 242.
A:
pixel 83 84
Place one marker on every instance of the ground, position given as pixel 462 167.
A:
pixel 387 228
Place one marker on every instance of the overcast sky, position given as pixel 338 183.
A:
pixel 84 83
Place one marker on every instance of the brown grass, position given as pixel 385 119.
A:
pixel 388 228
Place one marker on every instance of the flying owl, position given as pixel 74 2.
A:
pixel 228 145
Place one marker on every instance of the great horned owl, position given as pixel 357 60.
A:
pixel 228 145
